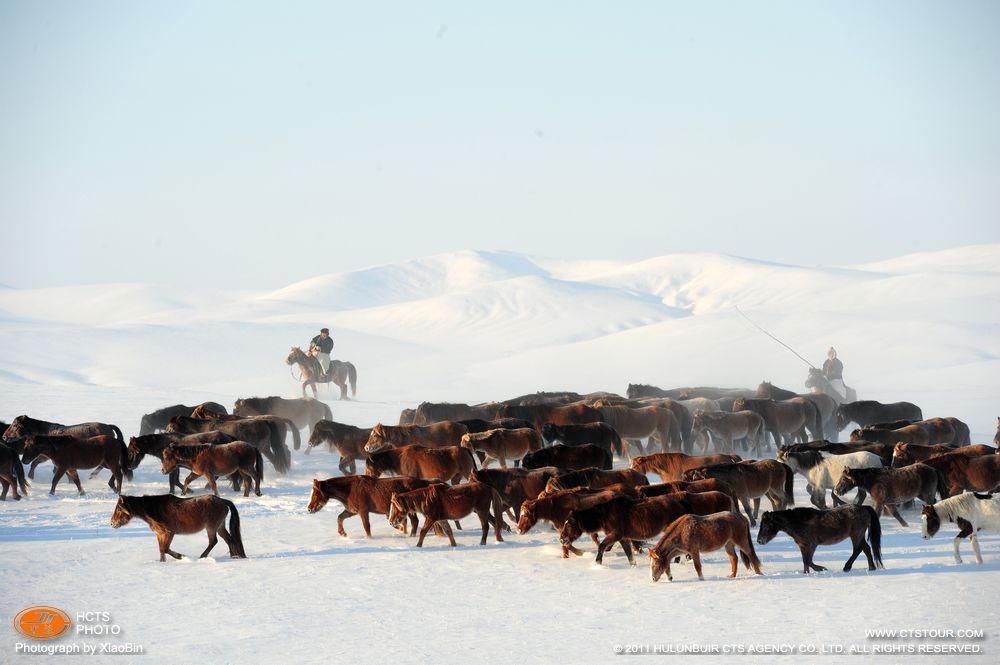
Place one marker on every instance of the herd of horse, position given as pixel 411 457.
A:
pixel 555 457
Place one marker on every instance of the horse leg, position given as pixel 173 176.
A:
pixel 627 546
pixel 211 482
pixel 363 514
pixel 862 495
pixel 857 540
pixel 756 506
pixel 340 522
pixel 164 538
pixel 423 531
pixel 484 521
pixel 895 513
pixel 55 479
pixel 6 486
pixel 608 542
pixel 228 539
pixel 974 539
pixel 448 532
pixel 413 525
pixel 696 560
pixel 187 481
pixel 746 507
pixel 247 481
pixel 174 479
pixel 958 538
pixel 76 479
pixel 212 540
pixel 31 471
pixel 733 559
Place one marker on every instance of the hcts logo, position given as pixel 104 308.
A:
pixel 41 622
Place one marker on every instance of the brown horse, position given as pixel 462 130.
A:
pixel 157 420
pixel 890 487
pixel 539 414
pixel 438 435
pixel 926 433
pixel 964 472
pixel 439 503
pixel 444 464
pixel 694 534
pixel 595 478
pixel 622 519
pixel 692 486
pixel 516 485
pixel 168 515
pixel 360 496
pixel 556 507
pixel 264 434
pixel 503 444
pixel 671 466
pixel 154 444
pixel 221 460
pixel 752 480
pixel 428 413
pixel 635 424
pixel 729 427
pixel 568 457
pixel 11 473
pixel 904 454
pixel 790 418
pixel 810 528
pixel 347 439
pixel 69 453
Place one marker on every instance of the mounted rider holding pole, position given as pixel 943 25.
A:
pixel 321 346
pixel 833 370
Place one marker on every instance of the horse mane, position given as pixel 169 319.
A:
pixel 810 458
pixel 949 509
pixel 481 436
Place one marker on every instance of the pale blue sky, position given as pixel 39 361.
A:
pixel 260 143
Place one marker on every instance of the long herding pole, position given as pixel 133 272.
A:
pixel 773 337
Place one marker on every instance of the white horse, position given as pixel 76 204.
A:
pixel 823 470
pixel 970 511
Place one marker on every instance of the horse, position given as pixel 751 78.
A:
pixel 681 436
pixel 598 434
pixel 691 487
pixel 823 471
pixel 340 372
pixel 360 496
pixel 728 427
pixel 11 473
pixel 24 426
pixel 810 528
pixel 622 519
pixel 154 444
pixel 516 485
pixel 407 416
pixel 752 480
pixel 168 515
pixel 826 405
pixel 156 421
pixel 220 460
pixel 869 412
pixel 556 507
pixel 568 457
pixel 970 511
pixel 635 424
pixel 671 466
pixel 790 418
pixel 889 487
pixel 883 450
pixel 500 444
pixel 428 413
pixel 694 534
pixel 347 439
pixel 904 454
pixel 964 472
pixel 818 382
pixel 595 478
pixel 69 453
pixel 303 413
pixel 444 464
pixel 925 432
pixel 264 434
pixel 439 503
pixel 437 435
pixel 539 414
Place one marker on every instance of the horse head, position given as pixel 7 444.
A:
pixel 318 498
pixel 930 520
pixel 294 356
pixel 846 483
pixel 764 389
pixel 768 528
pixel 122 514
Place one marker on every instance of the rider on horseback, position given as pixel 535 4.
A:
pixel 833 370
pixel 320 346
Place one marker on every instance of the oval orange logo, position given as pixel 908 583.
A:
pixel 42 622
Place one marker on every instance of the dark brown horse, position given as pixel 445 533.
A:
pixel 602 435
pixel 963 472
pixel 154 444
pixel 439 503
pixel 428 413
pixel 624 520
pixel 347 439
pixel 671 466
pixel 891 487
pixel 752 480
pixel 444 464
pixel 168 515
pixel 826 405
pixel 556 507
pixel 264 434
pixel 516 485
pixel 568 457
pixel 157 420
pixel 23 426
pixel 222 460
pixel 69 453
pixel 437 435
pixel 869 412
pixel 694 534
pixel 790 418
pixel 303 413
pixel 539 414
pixel 810 528
pixel 691 487
pixel 361 495
pixel 926 432
pixel 11 473
pixel 595 478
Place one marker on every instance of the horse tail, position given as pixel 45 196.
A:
pixel 234 527
pixel 749 555
pixel 789 484
pixel 874 535
pixel 18 468
pixel 942 484
pixel 352 375
pixel 820 430
pixel 616 443
pixel 296 436
pixel 497 513
pixel 123 459
pixel 145 426
pixel 327 411
pixel 259 459
pixel 278 448
pixel 471 457
pixel 117 432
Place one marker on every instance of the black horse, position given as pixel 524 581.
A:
pixel 869 412
pixel 810 528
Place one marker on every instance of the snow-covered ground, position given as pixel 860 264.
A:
pixel 473 326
